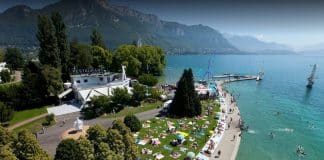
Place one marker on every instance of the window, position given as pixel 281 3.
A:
pixel 85 81
pixel 78 81
pixel 101 79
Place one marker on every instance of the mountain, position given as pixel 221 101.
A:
pixel 254 45
pixel 118 24
pixel 316 49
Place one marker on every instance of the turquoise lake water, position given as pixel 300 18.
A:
pixel 301 111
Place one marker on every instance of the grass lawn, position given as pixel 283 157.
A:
pixel 33 126
pixel 133 110
pixel 26 114
pixel 158 126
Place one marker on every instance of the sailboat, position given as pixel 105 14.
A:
pixel 311 77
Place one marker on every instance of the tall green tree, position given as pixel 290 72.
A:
pixel 34 86
pixel 49 52
pixel 81 56
pixel 185 102
pixel 62 43
pixel 5 76
pixel 14 58
pixel 26 147
pixel 102 58
pixel 96 39
pixel 52 80
pixel 6 112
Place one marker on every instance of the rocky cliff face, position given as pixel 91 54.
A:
pixel 118 25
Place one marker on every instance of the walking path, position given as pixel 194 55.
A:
pixel 19 124
pixel 52 136
pixel 230 141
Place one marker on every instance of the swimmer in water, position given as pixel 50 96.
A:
pixel 271 135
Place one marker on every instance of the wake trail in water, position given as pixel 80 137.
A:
pixel 284 130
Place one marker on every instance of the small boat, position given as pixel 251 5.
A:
pixel 311 77
pixel 259 76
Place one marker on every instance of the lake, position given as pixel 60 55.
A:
pixel 280 103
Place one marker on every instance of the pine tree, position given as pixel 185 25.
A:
pixel 62 43
pixel 96 39
pixel 185 102
pixel 49 52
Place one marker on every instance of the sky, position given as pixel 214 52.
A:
pixel 292 22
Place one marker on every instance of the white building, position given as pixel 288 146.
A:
pixel 3 67
pixel 87 85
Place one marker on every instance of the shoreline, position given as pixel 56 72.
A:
pixel 230 142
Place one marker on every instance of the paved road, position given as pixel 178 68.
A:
pixel 52 136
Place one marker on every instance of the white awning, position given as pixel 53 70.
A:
pixel 60 96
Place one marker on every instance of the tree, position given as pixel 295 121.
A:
pixel 5 76
pixel 128 141
pixel 52 79
pixel 97 106
pixel 67 149
pixel 6 153
pixel 6 112
pixel 81 56
pixel 139 60
pixel 26 147
pixel 14 58
pixel 148 80
pixel 5 136
pixel 104 153
pixel 2 54
pixel 102 58
pixel 62 43
pixel 121 96
pixel 49 51
pixel 96 134
pixel 130 147
pixel 34 86
pixel 86 150
pixel 96 39
pixel 133 123
pixel 115 141
pixel 185 102
pixel 139 92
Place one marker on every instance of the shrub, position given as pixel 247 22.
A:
pixel 49 118
pixel 133 123
pixel 5 76
pixel 148 79
pixel 6 112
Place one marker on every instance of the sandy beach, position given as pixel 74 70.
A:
pixel 230 141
